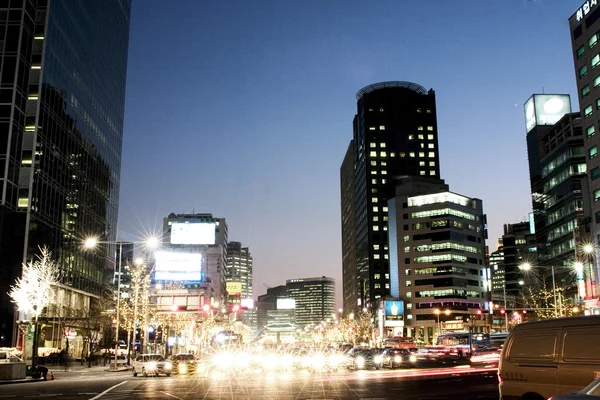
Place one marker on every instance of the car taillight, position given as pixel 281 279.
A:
pixel 499 378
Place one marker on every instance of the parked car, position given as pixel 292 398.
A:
pixel 151 364
pixel 590 392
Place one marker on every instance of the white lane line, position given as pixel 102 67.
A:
pixel 108 390
pixel 173 396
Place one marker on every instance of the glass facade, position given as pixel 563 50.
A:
pixel 62 98
pixel 239 268
pixel 315 299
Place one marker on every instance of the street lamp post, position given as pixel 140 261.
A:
pixel 439 329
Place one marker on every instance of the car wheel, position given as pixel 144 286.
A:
pixel 144 372
pixel 168 374
pixel 134 373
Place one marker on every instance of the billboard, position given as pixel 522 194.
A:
pixel 546 109
pixel 172 266
pixel 247 303
pixel 394 310
pixel 193 232
pixel 234 288
pixel 286 304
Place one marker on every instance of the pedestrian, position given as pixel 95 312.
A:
pixel 43 371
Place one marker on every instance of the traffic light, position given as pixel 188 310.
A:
pixel 502 311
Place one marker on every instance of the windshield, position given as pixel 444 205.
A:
pixel 153 357
pixel 184 357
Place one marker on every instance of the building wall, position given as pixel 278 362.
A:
pixel 64 67
pixel 394 134
pixel 315 299
pixel 441 257
pixel 239 268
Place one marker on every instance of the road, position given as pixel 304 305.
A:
pixel 417 384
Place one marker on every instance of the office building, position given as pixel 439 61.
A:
pixel 62 97
pixel 437 258
pixel 314 299
pixel 268 302
pixel 124 259
pixel 557 155
pixel 238 272
pixel 496 263
pixel 584 26
pixel 394 135
pixel 201 241
pixel 518 249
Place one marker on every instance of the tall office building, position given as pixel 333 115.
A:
pixel 238 272
pixel 314 297
pixel 203 238
pixel 395 135
pixel 585 38
pixel 62 97
pixel 437 258
pixel 557 152
pixel 518 248
pixel 124 260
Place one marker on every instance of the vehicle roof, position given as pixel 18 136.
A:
pixel 559 322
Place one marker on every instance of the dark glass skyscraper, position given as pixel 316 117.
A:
pixel 395 136
pixel 62 96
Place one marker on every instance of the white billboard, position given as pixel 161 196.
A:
pixel 172 266
pixel 193 233
pixel 247 303
pixel 546 109
pixel 286 304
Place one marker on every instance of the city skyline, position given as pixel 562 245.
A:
pixel 258 119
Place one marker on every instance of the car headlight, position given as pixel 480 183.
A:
pixel 378 359
pixel 360 361
pixel 412 358
pixel 182 367
pixel 287 360
pixel 397 359
pixel 151 366
pixel 318 360
pixel 244 360
pixel 168 365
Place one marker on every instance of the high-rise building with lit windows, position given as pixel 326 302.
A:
pixel 584 25
pixel 437 258
pixel 395 135
pixel 238 272
pixel 62 101
pixel 314 297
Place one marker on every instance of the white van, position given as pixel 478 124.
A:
pixel 547 358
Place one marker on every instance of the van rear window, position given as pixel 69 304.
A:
pixel 582 346
pixel 542 346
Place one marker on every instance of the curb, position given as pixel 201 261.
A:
pixel 14 381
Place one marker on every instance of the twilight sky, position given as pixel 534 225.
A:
pixel 244 109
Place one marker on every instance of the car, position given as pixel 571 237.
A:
pixel 395 357
pixel 184 363
pixel 361 358
pixel 151 364
pixel 590 392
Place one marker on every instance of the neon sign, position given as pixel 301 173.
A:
pixel 585 9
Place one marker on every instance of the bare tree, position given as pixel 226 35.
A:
pixel 91 320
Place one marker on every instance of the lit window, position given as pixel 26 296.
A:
pixel 408 283
pixel 377 285
pixel 385 229
pixel 374 181
pixel 387 276
pixel 422 172
pixel 593 152
pixel 429 111
pixel 431 146
pixel 375 209
pixel 409 306
pixel 376 247
pixel 580 51
pixel 418 110
pixel 372 154
pixel 374 172
pixel 409 316
pixel 583 71
pixel 408 295
pixel 381 110
pixel 376 219
pixel 406 238
pixel 382 145
pixel 411 136
pixel 407 272
pixel 376 256
pixel 383 172
pixel 432 173
pixel 595 173
pixel 430 136
pixel 419 128
pixel 421 163
pixel 585 91
pixel 432 163
pixel 373 163
pixel 597 81
pixel 23 202
pixel 431 154
pixel 430 128
pixel 384 181
pixel 421 136
pixel 595 60
pixel 422 145
pixel 371 145
pixel 591 130
pixel 384 163
pixel 385 209
pixel 411 154
pixel 371 128
pixel 587 111
pixel 392 154
pixel 596 195
pixel 385 256
pixel 597 104
pixel 593 40
pixel 375 228
pixel 383 154
pixel 401 155
pixel 373 199
pixel 407 249
pixel 387 285
pixel 382 127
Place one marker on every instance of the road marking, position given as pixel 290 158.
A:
pixel 173 396
pixel 108 390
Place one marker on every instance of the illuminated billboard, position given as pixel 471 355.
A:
pixel 247 303
pixel 394 310
pixel 193 233
pixel 172 266
pixel 286 304
pixel 546 109
pixel 234 288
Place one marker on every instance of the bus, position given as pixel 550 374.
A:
pixel 400 342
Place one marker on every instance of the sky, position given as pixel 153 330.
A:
pixel 244 109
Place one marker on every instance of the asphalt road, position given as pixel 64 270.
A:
pixel 430 384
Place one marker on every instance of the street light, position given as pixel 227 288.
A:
pixel 91 243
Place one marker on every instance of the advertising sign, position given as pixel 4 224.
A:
pixel 394 310
pixel 193 233
pixel 247 303
pixel 286 304
pixel 234 288
pixel 546 109
pixel 171 266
